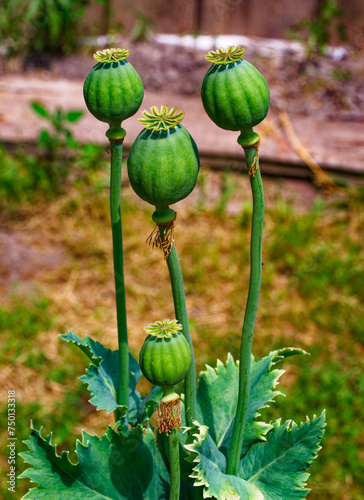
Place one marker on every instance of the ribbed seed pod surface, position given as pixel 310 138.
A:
pixel 163 165
pixel 235 95
pixel 165 361
pixel 113 91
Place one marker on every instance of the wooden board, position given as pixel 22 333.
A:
pixel 336 146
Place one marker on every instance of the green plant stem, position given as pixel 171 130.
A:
pixel 176 277
pixel 174 470
pixel 117 240
pixel 250 314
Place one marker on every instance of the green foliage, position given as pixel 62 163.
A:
pixel 87 346
pixel 142 29
pixel 102 380
pixel 113 466
pixel 38 26
pixel 30 177
pixel 102 376
pixel 114 453
pixel 278 466
pixel 217 396
pixel 210 468
pixel 316 32
pixel 273 465
pixel 60 136
pixel 11 25
pixel 272 470
pixel 207 451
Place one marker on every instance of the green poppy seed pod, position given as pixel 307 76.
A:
pixel 165 356
pixel 113 90
pixel 163 162
pixel 234 94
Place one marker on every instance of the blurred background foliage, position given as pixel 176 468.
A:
pixel 38 26
pixel 33 27
pixel 54 26
pixel 55 241
pixel 316 33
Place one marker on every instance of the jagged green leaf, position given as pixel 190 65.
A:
pixel 102 376
pixel 209 470
pixel 149 404
pixel 103 384
pixel 278 466
pixel 217 397
pixel 85 346
pixel 113 467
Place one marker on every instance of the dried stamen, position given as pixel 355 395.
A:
pixel 169 416
pixel 166 243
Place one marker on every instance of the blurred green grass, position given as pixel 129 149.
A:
pixel 312 297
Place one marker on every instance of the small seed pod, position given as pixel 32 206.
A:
pixel 165 359
pixel 113 90
pixel 234 94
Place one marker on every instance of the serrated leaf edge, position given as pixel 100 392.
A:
pixel 96 360
pixel 48 440
pixel 64 455
pixel 117 406
pixel 96 363
pixel 202 431
pixel 289 425
pixel 199 475
pixel 215 372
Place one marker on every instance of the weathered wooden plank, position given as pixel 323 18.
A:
pixel 265 18
pixel 336 146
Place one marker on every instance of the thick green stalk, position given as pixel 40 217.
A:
pixel 174 470
pixel 250 311
pixel 176 277
pixel 117 240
